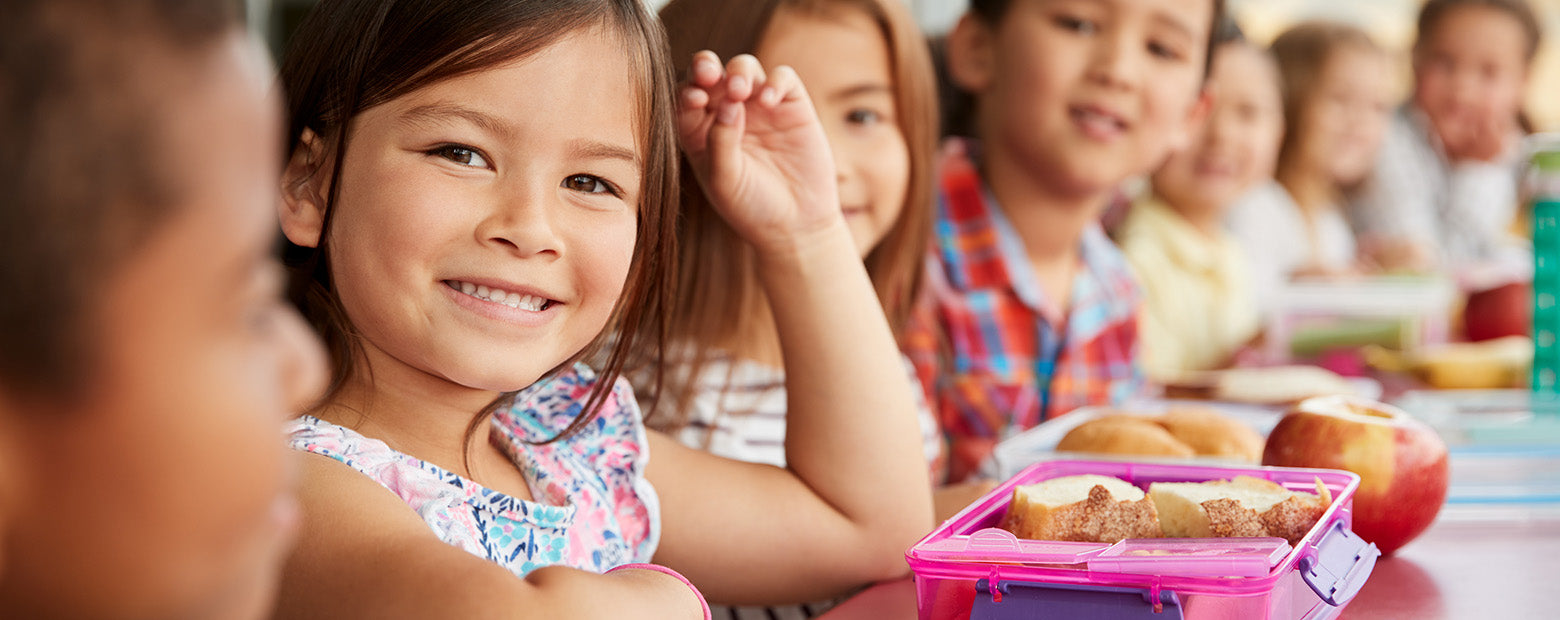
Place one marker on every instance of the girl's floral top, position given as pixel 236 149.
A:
pixel 593 507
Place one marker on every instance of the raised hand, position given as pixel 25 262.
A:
pixel 1481 136
pixel 758 150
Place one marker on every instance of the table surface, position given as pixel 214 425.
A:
pixel 1471 563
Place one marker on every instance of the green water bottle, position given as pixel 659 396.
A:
pixel 1543 189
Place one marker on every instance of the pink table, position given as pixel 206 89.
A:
pixel 1465 566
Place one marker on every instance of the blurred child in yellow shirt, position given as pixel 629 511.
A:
pixel 1199 307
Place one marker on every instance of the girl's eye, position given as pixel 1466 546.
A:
pixel 1163 51
pixel 863 116
pixel 1075 24
pixel 588 184
pixel 461 155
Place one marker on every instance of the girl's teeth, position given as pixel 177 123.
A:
pixel 497 296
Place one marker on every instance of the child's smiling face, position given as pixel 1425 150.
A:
pixel 1471 68
pixel 1086 93
pixel 486 223
pixel 1237 146
pixel 1345 118
pixel 843 59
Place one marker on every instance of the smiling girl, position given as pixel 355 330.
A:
pixel 479 194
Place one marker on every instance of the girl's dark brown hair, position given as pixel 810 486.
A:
pixel 351 55
pixel 717 270
pixel 1302 53
pixel 1435 11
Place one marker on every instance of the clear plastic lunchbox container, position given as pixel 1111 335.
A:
pixel 968 568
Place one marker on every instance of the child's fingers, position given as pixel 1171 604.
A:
pixel 744 74
pixel 724 147
pixel 693 118
pixel 783 85
pixel 705 71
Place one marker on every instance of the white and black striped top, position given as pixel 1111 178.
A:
pixel 739 413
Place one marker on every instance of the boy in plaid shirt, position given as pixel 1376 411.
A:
pixel 1029 310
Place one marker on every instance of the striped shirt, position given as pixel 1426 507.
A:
pixel 738 412
pixel 992 362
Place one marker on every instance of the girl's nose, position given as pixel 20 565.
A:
pixel 522 223
pixel 1115 62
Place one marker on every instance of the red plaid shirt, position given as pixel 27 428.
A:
pixel 991 362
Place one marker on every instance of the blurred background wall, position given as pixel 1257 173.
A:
pixel 1391 21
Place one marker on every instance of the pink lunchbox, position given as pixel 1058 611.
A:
pixel 968 568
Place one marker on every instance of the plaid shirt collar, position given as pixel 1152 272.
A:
pixel 980 249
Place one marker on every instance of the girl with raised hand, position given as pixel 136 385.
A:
pixel 480 195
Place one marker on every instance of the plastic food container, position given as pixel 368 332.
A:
pixel 1396 311
pixel 967 568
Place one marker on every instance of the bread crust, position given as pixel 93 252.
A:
pixel 1099 518
pixel 1291 518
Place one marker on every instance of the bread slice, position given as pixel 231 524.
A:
pixel 1086 508
pixel 1245 506
pixel 1278 384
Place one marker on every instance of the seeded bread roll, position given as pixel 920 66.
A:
pixel 1125 434
pixel 1244 506
pixel 1086 508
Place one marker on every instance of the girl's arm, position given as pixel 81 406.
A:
pixel 361 553
pixel 855 495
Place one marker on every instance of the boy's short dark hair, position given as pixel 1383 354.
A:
pixel 992 12
pixel 1431 14
pixel 82 171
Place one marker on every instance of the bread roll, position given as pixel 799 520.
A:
pixel 1244 506
pixel 1125 434
pixel 1086 508
pixel 1209 433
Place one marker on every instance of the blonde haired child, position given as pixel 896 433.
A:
pixel 1031 312
pixel 1199 305
pixel 1335 111
pixel 148 359
pixel 481 192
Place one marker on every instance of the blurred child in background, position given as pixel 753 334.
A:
pixel 148 358
pixel 1030 310
pixel 1444 193
pixel 1199 306
pixel 1335 110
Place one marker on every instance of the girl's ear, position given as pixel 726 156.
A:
pixel 1182 138
pixel 305 183
pixel 971 54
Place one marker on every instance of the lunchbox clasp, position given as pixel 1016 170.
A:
pixel 1338 564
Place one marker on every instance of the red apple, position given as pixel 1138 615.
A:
pixel 1401 462
pixel 1501 311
